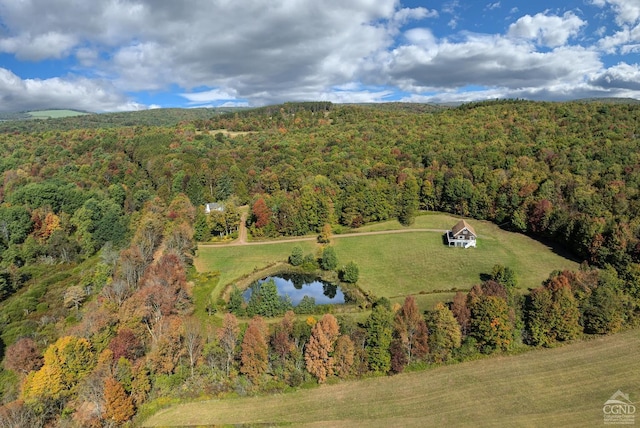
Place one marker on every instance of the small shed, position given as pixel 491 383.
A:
pixel 462 235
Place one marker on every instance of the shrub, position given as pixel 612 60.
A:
pixel 309 263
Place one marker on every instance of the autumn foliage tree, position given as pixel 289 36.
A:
pixel 66 362
pixel 254 358
pixel 344 356
pixel 461 312
pixel 261 213
pixel 23 356
pixel 318 354
pixel 410 332
pixel 118 405
pixel 126 344
pixel 444 333
pixel 490 323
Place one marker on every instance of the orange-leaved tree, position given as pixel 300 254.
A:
pixel 254 358
pixel 118 405
pixel 319 352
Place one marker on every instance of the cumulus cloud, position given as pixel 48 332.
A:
pixel 259 52
pixel 547 30
pixel 626 11
pixel 210 96
pixel 485 61
pixel 622 75
pixel 17 94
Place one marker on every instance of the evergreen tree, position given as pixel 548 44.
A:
pixel 266 301
pixel 296 258
pixel 329 259
pixel 408 202
pixel 379 328
pixel 350 273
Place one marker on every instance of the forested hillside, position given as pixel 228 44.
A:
pixel 98 223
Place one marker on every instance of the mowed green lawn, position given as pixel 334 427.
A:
pixel 565 386
pixel 394 265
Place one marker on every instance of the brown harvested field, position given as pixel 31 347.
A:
pixel 565 386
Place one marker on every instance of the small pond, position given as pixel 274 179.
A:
pixel 296 286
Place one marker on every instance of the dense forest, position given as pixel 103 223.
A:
pixel 98 224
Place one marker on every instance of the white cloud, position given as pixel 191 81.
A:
pixel 547 30
pixel 83 94
pixel 41 46
pixel 209 96
pixel 626 35
pixel 426 65
pixel 624 76
pixel 626 11
pixel 265 52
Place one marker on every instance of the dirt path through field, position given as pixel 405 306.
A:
pixel 242 238
pixel 242 233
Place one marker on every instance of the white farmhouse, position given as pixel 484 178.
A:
pixel 213 206
pixel 462 235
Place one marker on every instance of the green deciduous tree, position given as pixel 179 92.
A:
pixel 552 314
pixel 444 333
pixel 490 323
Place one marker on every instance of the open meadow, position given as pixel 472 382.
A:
pixel 564 386
pixel 395 265
pixel 55 114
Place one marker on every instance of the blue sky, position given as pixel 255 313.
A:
pixel 115 55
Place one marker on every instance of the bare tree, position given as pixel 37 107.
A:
pixel 192 341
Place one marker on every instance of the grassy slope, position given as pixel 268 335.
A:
pixel 54 114
pixel 395 265
pixel 566 386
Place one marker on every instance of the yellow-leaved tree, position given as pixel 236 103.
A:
pixel 66 362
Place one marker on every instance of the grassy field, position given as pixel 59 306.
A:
pixel 565 386
pixel 54 114
pixel 397 264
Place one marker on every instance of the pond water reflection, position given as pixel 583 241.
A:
pixel 296 286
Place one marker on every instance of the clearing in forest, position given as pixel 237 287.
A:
pixel 394 264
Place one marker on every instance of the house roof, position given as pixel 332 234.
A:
pixel 214 206
pixel 462 225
